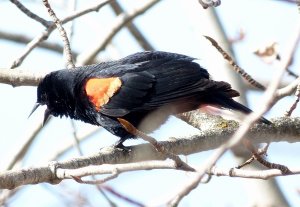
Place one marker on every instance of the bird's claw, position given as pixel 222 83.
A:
pixel 119 145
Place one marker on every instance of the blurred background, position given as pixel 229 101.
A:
pixel 240 27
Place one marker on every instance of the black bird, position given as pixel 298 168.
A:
pixel 143 89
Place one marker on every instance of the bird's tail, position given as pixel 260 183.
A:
pixel 229 103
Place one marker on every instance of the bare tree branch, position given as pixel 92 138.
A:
pixel 114 169
pixel 30 13
pixel 294 105
pixel 20 77
pixel 63 34
pixel 19 153
pixel 20 38
pixel 283 129
pixel 238 69
pixel 256 174
pixel 121 196
pixel 45 34
pixel 137 34
pixel 245 125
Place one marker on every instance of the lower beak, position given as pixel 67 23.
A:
pixel 46 116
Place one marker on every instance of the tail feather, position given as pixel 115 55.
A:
pixel 232 104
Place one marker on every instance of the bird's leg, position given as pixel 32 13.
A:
pixel 119 145
pixel 132 130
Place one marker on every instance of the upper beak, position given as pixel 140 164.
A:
pixel 46 114
pixel 36 105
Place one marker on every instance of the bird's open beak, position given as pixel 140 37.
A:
pixel 46 114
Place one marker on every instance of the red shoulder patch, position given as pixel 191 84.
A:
pixel 100 90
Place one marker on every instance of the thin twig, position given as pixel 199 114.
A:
pixel 294 105
pixel 121 196
pixel 113 175
pixel 30 13
pixel 45 34
pixel 20 38
pixel 19 153
pixel 79 13
pixel 63 34
pixel 255 174
pixel 30 46
pixel 76 144
pixel 263 151
pixel 291 73
pixel 257 156
pixel 64 149
pixel 297 94
pixel 113 169
pixel 76 138
pixel 237 68
pixel 284 169
pixel 133 29
pixel 287 90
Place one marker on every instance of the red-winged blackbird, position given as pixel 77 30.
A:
pixel 143 88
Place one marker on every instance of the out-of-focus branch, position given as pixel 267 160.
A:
pixel 137 34
pixel 120 22
pixel 5 195
pixel 209 3
pixel 289 1
pixel 20 38
pixel 131 201
pixel 19 153
pixel 283 129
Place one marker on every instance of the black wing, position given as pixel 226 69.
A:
pixel 159 79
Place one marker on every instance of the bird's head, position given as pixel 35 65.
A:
pixel 56 92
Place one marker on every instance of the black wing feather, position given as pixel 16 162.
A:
pixel 163 79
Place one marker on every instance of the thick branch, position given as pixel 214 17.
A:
pixel 283 129
pixel 20 77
